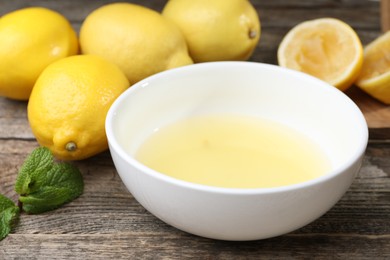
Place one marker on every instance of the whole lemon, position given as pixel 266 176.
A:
pixel 69 103
pixel 216 29
pixel 30 39
pixel 137 39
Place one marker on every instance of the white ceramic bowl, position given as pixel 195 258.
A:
pixel 300 101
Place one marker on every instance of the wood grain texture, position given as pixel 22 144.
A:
pixel 385 15
pixel 106 222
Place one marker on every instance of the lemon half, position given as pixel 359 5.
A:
pixel 326 48
pixel 375 75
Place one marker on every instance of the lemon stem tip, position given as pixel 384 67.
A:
pixel 71 146
pixel 252 34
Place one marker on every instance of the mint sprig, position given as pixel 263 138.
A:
pixel 42 185
pixel 9 214
pixel 45 185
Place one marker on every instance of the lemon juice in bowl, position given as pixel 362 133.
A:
pixel 233 151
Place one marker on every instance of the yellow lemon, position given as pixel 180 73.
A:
pixel 137 39
pixel 375 75
pixel 326 48
pixel 69 103
pixel 31 39
pixel 216 30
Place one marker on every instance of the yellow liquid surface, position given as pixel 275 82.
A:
pixel 233 152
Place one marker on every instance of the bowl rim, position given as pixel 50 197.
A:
pixel 114 144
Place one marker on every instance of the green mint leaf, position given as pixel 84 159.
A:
pixel 44 185
pixel 37 163
pixel 9 214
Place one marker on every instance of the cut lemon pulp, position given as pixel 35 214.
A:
pixel 375 75
pixel 325 48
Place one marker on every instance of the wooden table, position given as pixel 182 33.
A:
pixel 106 222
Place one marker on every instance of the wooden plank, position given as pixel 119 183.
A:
pixel 13 119
pixel 376 113
pixel 385 15
pixel 106 221
pixel 165 246
pixel 272 13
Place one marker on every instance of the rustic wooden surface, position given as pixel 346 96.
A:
pixel 385 15
pixel 107 223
